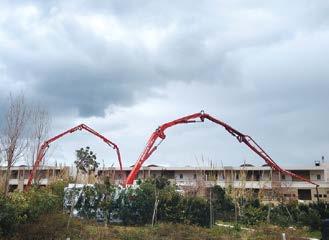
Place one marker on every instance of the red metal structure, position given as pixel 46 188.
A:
pixel 159 133
pixel 44 147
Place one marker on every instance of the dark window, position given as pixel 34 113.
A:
pixel 283 177
pixel 318 177
pixel 194 176
pixel 304 194
pixel 304 173
pixel 237 176
pixel 320 195
pixel 12 188
pixel 181 176
pixel 169 174
pixel 57 172
pixel 14 174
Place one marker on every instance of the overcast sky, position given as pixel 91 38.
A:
pixel 126 67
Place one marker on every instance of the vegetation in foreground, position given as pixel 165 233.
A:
pixel 38 214
pixel 153 209
pixel 53 226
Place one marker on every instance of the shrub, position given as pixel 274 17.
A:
pixel 311 219
pixel 40 202
pixel 20 202
pixel 171 206
pixel 253 215
pixel 30 205
pixel 322 208
pixel 8 217
pixel 222 204
pixel 279 216
pixel 297 214
pixel 135 206
pixel 57 188
pixel 197 211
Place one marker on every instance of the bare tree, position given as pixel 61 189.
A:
pixel 1 153
pixel 39 128
pixel 40 124
pixel 13 136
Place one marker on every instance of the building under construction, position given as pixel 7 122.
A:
pixel 260 180
pixel 263 180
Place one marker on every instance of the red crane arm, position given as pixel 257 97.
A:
pixel 44 147
pixel 242 138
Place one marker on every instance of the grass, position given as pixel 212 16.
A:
pixel 54 227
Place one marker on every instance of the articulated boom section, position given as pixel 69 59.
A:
pixel 44 147
pixel 200 117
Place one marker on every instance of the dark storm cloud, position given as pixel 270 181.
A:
pixel 259 65
pixel 85 56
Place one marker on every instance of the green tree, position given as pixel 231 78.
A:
pixel 85 162
pixel 135 205
pixel 222 204
pixel 171 205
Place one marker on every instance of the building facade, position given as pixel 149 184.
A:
pixel 258 180
pixel 45 175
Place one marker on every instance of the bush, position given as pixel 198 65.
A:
pixel 197 211
pixel 30 205
pixel 279 216
pixel 311 219
pixel 297 214
pixel 57 188
pixel 8 217
pixel 40 202
pixel 27 207
pixel 135 206
pixel 253 215
pixel 171 206
pixel 322 208
pixel 222 204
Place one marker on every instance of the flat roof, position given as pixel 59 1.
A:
pixel 30 167
pixel 255 168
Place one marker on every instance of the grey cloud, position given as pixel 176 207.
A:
pixel 70 67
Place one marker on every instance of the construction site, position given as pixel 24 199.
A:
pixel 237 190
pixel 269 181
pixel 164 120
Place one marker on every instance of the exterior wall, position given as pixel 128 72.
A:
pixel 184 175
pixel 19 175
pixel 252 178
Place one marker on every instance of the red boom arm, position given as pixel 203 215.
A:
pixel 159 133
pixel 44 147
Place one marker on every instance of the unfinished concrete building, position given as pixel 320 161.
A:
pixel 262 180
